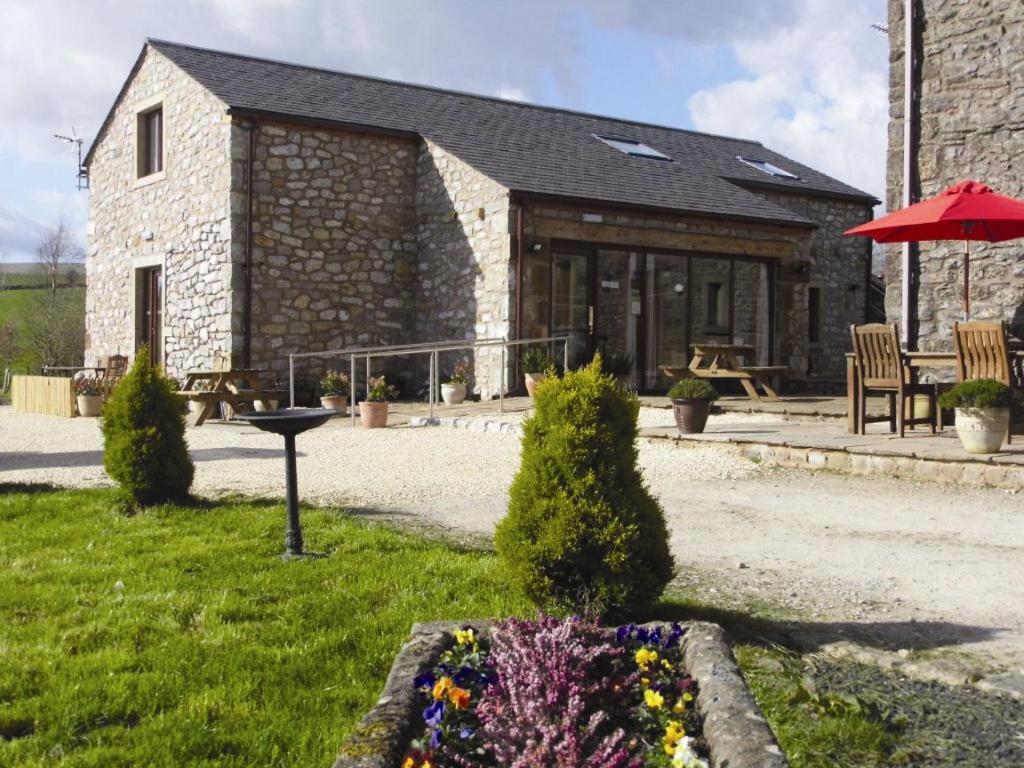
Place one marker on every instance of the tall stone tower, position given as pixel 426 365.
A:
pixel 967 122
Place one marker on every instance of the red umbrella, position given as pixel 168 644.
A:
pixel 966 211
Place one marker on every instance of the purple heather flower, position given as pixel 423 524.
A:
pixel 434 714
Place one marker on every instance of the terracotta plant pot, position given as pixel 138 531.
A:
pixel 532 380
pixel 373 415
pixel 691 415
pixel 453 394
pixel 90 405
pixel 982 430
pixel 337 403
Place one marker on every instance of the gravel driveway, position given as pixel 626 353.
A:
pixel 893 564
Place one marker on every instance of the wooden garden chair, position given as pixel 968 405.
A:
pixel 884 371
pixel 114 370
pixel 982 353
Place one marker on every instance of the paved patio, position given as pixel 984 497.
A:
pixel 805 432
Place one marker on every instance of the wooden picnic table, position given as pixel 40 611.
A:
pixel 915 361
pixel 232 386
pixel 722 361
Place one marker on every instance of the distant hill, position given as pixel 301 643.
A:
pixel 21 274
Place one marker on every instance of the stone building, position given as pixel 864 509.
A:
pixel 246 209
pixel 967 122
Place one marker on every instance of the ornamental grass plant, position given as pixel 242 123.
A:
pixel 583 534
pixel 144 447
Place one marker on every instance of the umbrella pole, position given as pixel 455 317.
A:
pixel 967 280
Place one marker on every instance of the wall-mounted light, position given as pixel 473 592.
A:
pixel 679 288
pixel 536 247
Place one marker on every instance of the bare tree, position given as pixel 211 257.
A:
pixel 56 249
pixel 54 328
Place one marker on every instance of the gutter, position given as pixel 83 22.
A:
pixel 908 160
pixel 249 206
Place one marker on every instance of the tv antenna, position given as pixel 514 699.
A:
pixel 82 177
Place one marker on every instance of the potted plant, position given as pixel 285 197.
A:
pixel 335 390
pixel 373 411
pixel 89 394
pixel 691 404
pixel 453 391
pixel 536 363
pixel 982 413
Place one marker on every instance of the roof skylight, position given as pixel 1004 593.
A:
pixel 633 148
pixel 766 167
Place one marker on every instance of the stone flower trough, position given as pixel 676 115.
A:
pixel 735 730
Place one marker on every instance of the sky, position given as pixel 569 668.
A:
pixel 808 78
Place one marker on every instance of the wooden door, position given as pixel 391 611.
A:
pixel 152 285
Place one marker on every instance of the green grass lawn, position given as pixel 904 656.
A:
pixel 179 637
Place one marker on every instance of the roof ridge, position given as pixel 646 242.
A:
pixel 453 92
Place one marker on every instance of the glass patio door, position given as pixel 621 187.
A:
pixel 572 311
pixel 618 310
pixel 666 335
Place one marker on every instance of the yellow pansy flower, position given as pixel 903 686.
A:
pixel 645 657
pixel 653 699
pixel 465 636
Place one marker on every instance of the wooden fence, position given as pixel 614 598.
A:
pixel 52 395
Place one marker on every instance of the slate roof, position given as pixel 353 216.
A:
pixel 526 148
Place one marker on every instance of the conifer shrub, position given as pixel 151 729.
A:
pixel 583 534
pixel 144 448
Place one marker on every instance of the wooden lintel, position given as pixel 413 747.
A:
pixel 618 234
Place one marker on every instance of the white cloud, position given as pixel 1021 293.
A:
pixel 18 235
pixel 817 91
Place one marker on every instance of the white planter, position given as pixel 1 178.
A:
pixel 453 394
pixel 89 405
pixel 195 406
pixel 982 430
pixel 258 405
pixel 337 403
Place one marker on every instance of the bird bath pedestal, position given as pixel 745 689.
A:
pixel 289 422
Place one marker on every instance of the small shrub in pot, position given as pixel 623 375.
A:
pixel 691 404
pixel 373 411
pixel 89 395
pixel 453 390
pixel 983 408
pixel 335 390
pixel 583 533
pixel 536 362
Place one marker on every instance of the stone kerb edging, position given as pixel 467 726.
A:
pixel 975 472
pixel 469 423
pixel 737 734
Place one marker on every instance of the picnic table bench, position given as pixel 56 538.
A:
pixel 722 361
pixel 232 386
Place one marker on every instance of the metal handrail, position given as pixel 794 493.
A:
pixel 432 348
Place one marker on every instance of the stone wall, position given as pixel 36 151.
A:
pixel 179 219
pixel 971 126
pixel 465 278
pixel 334 242
pixel 838 267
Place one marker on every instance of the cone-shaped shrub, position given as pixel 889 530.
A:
pixel 583 534
pixel 144 446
